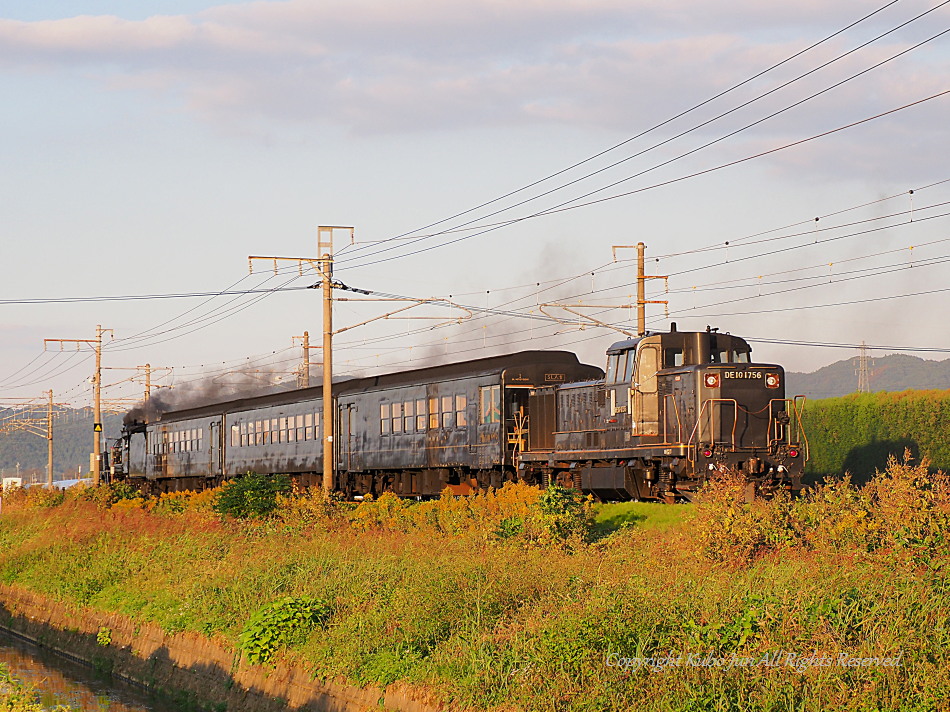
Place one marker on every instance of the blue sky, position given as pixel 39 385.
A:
pixel 149 148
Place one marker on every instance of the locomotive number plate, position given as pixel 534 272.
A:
pixel 742 374
pixel 554 377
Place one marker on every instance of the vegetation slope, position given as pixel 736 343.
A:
pixel 526 600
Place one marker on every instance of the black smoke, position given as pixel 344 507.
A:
pixel 212 389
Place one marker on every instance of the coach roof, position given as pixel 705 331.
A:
pixel 476 367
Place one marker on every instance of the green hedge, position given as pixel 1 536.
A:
pixel 857 433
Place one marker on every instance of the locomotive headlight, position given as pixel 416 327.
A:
pixel 793 452
pixel 707 452
pixel 712 380
pixel 772 380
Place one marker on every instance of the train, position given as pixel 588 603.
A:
pixel 670 409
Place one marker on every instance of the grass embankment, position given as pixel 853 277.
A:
pixel 521 600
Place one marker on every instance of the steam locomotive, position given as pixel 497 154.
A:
pixel 670 409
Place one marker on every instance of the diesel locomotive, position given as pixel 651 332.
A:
pixel 670 409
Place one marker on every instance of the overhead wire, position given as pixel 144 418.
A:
pixel 568 204
pixel 652 128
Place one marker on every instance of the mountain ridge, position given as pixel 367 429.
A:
pixel 894 372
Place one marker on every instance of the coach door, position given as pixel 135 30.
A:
pixel 215 443
pixel 646 413
pixel 349 449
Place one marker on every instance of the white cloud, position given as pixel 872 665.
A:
pixel 378 66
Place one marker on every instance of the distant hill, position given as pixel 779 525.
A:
pixel 895 372
pixel 72 443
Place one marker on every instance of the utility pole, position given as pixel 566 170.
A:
pixel 49 440
pixel 329 417
pixel 29 416
pixel 96 396
pixel 148 380
pixel 642 301
pixel 303 381
pixel 324 266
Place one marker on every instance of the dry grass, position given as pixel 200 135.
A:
pixel 466 598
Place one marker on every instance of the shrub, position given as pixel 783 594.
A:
pixel 251 495
pixel 279 624
pixel 562 514
pixel 726 527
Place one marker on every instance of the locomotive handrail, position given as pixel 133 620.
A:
pixel 774 422
pixel 796 410
pixel 679 423
pixel 699 420
pixel 799 413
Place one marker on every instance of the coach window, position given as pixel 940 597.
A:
pixel 273 426
pixel 408 416
pixel 258 432
pixel 461 403
pixel 448 412
pixel 420 415
pixel 308 426
pixel 489 404
pixel 384 419
pixel 316 426
pixel 235 436
pixel 291 430
pixel 433 413
pixel 397 417
pixel 300 428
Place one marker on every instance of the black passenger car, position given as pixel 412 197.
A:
pixel 416 432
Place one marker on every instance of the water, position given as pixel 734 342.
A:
pixel 62 682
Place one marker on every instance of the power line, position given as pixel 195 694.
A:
pixel 708 122
pixel 564 207
pixel 649 130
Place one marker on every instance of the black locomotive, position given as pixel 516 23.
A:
pixel 672 407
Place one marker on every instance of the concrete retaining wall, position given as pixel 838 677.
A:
pixel 209 670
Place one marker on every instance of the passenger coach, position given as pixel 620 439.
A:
pixel 460 425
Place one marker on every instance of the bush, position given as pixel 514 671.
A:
pixel 729 528
pixel 563 514
pixel 860 432
pixel 284 622
pixel 251 496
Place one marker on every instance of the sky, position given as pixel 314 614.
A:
pixel 489 155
